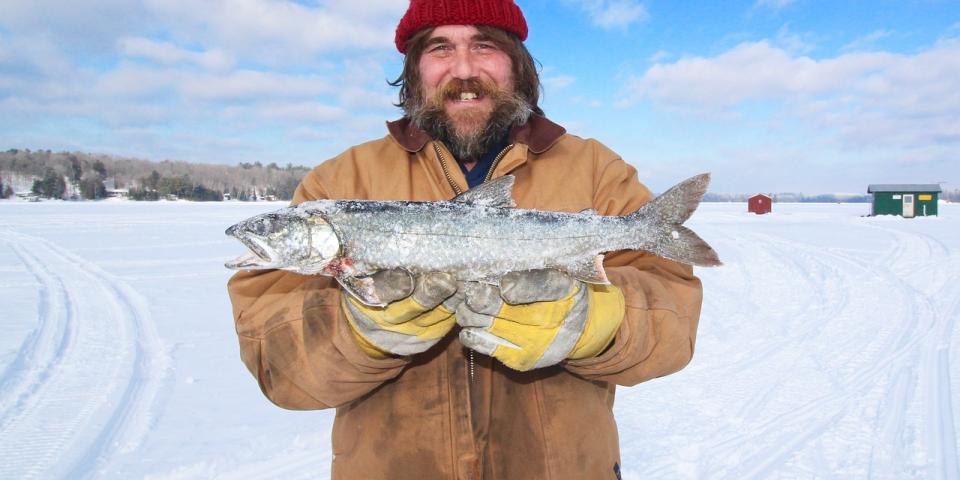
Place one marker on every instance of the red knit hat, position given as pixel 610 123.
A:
pixel 502 14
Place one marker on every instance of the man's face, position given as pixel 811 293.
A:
pixel 462 69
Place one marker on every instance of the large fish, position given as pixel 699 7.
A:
pixel 477 236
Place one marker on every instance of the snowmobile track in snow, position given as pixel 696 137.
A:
pixel 891 369
pixel 83 382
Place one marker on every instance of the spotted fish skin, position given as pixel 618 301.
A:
pixel 477 236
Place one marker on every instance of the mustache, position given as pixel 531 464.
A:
pixel 457 86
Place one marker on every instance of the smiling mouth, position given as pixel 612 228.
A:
pixel 464 97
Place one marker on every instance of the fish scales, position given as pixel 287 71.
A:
pixel 473 243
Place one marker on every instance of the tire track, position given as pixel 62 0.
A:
pixel 828 275
pixel 882 361
pixel 936 285
pixel 42 349
pixel 94 401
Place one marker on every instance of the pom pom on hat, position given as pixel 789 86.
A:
pixel 503 14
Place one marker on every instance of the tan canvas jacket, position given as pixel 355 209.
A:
pixel 424 417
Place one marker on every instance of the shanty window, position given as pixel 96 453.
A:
pixel 897 197
pixel 925 197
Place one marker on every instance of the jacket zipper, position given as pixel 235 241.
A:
pixel 471 368
pixel 446 170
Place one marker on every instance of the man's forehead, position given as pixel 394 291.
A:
pixel 457 32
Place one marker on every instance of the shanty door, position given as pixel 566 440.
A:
pixel 908 206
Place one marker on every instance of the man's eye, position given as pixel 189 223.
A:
pixel 440 48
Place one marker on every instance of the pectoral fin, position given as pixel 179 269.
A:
pixel 588 270
pixel 362 288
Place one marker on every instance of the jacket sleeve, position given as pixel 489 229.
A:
pixel 663 298
pixel 293 338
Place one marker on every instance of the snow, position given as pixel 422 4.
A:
pixel 824 351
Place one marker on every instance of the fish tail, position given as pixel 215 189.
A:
pixel 666 214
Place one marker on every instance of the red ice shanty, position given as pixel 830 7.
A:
pixel 760 204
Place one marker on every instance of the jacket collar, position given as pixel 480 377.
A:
pixel 538 134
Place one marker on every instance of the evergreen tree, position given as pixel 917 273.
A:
pixel 75 167
pixel 92 187
pixel 101 169
pixel 51 186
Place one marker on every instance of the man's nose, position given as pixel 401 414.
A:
pixel 464 66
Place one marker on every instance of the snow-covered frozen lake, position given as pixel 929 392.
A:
pixel 824 351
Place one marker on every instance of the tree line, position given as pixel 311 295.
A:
pixel 76 175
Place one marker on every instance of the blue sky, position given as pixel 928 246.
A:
pixel 769 95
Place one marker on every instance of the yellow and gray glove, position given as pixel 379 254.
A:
pixel 415 318
pixel 538 318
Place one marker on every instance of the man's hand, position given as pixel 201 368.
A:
pixel 414 319
pixel 538 318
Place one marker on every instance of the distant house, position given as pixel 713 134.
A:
pixel 28 196
pixel 118 193
pixel 226 197
pixel 906 200
pixel 760 204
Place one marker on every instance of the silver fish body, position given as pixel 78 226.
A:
pixel 478 236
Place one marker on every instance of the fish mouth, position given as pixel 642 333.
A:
pixel 257 257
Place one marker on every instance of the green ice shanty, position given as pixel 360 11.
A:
pixel 906 200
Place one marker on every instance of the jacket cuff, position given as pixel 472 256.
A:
pixel 324 322
pixel 346 342
pixel 615 358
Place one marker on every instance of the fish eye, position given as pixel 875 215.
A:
pixel 262 226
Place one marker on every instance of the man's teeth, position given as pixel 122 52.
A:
pixel 467 96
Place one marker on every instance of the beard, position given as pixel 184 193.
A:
pixel 472 132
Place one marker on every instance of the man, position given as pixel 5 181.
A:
pixel 471 381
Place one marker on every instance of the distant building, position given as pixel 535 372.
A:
pixel 906 200
pixel 118 193
pixel 28 196
pixel 226 197
pixel 760 204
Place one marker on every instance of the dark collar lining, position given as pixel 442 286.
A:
pixel 538 134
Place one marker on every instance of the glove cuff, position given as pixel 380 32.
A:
pixel 403 328
pixel 363 342
pixel 604 316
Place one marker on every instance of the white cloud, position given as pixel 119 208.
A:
pixel 612 14
pixel 867 41
pixel 557 82
pixel 91 25
pixel 273 30
pixel 794 42
pixel 169 54
pixel 660 56
pixel 251 85
pixel 864 100
pixel 299 112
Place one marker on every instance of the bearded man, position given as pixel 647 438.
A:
pixel 471 381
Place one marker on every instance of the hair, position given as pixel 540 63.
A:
pixel 526 79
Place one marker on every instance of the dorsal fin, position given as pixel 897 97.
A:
pixel 495 193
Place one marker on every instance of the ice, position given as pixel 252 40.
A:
pixel 824 351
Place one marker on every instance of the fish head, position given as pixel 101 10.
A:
pixel 287 239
